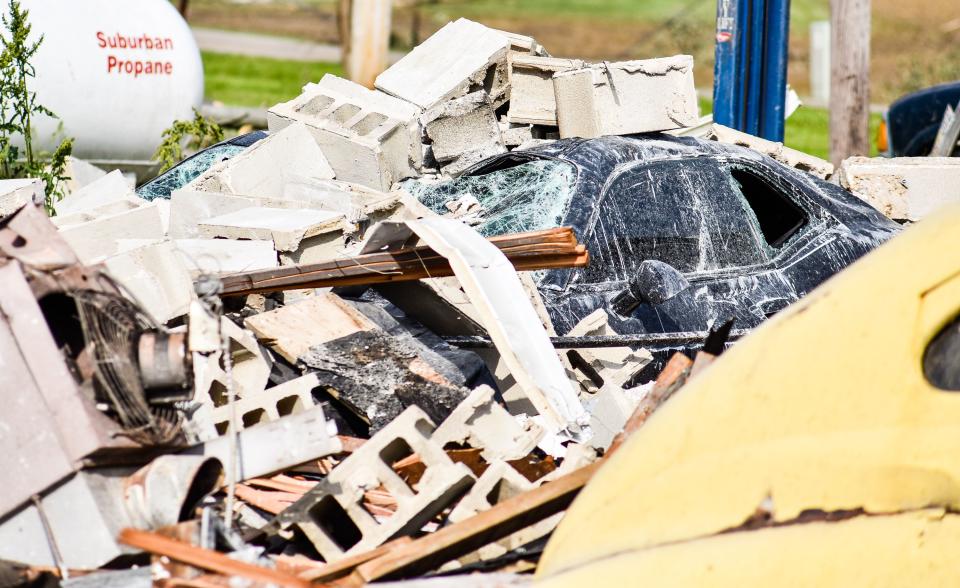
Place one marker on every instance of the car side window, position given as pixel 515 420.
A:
pixel 776 215
pixel 674 212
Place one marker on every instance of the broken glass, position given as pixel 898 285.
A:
pixel 531 196
pixel 186 171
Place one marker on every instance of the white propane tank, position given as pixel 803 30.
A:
pixel 116 73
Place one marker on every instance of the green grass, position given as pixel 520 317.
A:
pixel 808 130
pixel 256 81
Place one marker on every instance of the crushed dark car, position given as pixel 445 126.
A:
pixel 684 235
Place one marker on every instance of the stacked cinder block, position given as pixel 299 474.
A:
pixel 332 516
pixel 369 137
pixel 532 99
pixel 626 97
pixel 262 406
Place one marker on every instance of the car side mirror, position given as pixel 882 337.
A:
pixel 655 283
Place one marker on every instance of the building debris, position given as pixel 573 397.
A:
pixel 332 354
pixel 903 188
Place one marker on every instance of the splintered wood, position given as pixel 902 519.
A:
pixel 549 249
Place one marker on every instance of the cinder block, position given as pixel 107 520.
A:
pixel 532 99
pixel 480 422
pixel 369 137
pixel 16 193
pixel 251 372
pixel 263 169
pixel 287 228
pixel 109 189
pixel 291 397
pixel 460 58
pixel 95 239
pixel 332 515
pixel 463 132
pixel 785 155
pixel 157 278
pixel 903 188
pixel 498 483
pixel 626 97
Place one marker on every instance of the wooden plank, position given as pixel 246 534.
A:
pixel 345 566
pixel 503 519
pixel 293 329
pixel 205 559
pixel 850 79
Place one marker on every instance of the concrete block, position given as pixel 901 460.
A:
pixel 79 174
pixel 626 97
pixel 460 58
pixel 903 188
pixel 532 99
pixel 287 228
pixel 268 405
pixel 369 137
pixel 499 482
pixel 95 239
pixel 332 515
pixel 263 169
pixel 222 256
pixel 463 132
pixel 251 372
pixel 156 277
pixel 480 422
pixel 515 135
pixel 108 209
pixel 109 189
pixel 14 194
pixel 785 155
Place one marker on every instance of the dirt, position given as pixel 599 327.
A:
pixel 912 47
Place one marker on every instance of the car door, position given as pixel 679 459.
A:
pixel 694 216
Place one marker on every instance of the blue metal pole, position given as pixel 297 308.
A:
pixel 755 66
pixel 725 84
pixel 775 69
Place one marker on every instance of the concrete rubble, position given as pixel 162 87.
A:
pixel 265 364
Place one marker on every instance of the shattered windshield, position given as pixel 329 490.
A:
pixel 531 196
pixel 185 172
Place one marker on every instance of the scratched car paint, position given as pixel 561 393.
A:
pixel 683 234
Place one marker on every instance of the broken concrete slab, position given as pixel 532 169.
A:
pixel 532 99
pixel 264 168
pixel 369 137
pixel 156 278
pixel 610 409
pixel 462 132
pixel 814 165
pixel 480 422
pixel 903 188
pixel 287 228
pixel 293 329
pixel 332 515
pixel 626 97
pixel 95 239
pixel 460 58
pixel 14 194
pixel 222 256
pixel 108 189
pixel 79 174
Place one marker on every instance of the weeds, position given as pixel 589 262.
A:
pixel 196 134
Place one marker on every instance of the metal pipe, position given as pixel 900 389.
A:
pixel 656 340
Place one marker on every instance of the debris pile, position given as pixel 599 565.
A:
pixel 255 378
